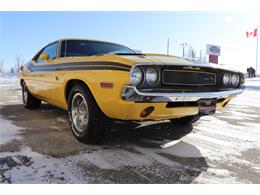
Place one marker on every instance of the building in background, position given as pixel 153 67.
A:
pixel 214 52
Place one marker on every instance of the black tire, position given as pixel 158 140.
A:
pixel 97 123
pixel 185 120
pixel 29 101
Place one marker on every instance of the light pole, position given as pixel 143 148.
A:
pixel 183 45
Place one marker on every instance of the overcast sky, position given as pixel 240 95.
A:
pixel 24 33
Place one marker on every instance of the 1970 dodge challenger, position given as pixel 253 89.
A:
pixel 97 81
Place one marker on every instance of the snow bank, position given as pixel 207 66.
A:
pixel 8 80
pixel 253 84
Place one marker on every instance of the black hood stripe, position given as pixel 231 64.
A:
pixel 71 68
pixel 98 63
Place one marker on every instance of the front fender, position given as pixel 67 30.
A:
pixel 106 98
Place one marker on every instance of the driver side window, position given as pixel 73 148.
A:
pixel 51 50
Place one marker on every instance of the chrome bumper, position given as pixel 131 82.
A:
pixel 130 93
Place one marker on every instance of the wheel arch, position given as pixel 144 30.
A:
pixel 72 83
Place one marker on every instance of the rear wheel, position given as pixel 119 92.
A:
pixel 185 120
pixel 29 101
pixel 87 121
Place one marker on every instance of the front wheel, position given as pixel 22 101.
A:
pixel 185 120
pixel 87 121
pixel 29 101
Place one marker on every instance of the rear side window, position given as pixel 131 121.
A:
pixel 51 50
pixel 73 48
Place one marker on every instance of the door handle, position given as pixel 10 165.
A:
pixel 58 69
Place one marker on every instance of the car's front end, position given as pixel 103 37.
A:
pixel 169 90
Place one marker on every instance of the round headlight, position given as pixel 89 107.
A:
pixel 136 76
pixel 235 80
pixel 151 76
pixel 226 79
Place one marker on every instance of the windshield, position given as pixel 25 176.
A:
pixel 73 48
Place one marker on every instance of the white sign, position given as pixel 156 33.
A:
pixel 213 50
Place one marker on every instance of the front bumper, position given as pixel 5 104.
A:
pixel 130 93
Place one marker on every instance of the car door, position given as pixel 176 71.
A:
pixel 44 74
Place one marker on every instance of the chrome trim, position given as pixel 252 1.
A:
pixel 196 72
pixel 79 112
pixel 131 93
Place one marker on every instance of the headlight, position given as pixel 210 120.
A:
pixel 136 76
pixel 151 76
pixel 235 80
pixel 226 79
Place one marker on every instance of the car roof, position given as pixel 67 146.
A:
pixel 84 39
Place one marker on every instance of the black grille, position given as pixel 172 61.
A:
pixel 187 79
pixel 183 77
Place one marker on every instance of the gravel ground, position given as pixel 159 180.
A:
pixel 37 146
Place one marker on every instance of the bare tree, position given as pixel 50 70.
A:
pixel 19 62
pixel 2 66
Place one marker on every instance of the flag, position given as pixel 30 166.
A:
pixel 251 34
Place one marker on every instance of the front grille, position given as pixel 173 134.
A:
pixel 185 77
pixel 181 78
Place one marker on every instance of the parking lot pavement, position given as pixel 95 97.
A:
pixel 37 146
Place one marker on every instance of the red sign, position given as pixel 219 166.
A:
pixel 213 59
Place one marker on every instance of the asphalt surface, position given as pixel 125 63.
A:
pixel 37 146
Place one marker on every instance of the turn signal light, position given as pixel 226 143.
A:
pixel 106 85
pixel 147 111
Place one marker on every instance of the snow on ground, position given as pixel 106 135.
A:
pixel 8 131
pixel 27 166
pixel 9 82
pixel 8 79
pixel 37 146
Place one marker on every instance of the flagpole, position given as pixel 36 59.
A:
pixel 256 63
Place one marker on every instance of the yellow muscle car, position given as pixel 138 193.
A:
pixel 97 81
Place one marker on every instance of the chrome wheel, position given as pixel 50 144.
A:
pixel 79 112
pixel 25 94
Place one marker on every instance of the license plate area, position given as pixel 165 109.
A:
pixel 207 106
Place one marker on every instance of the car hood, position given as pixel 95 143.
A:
pixel 171 60
pixel 158 59
pixel 154 58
